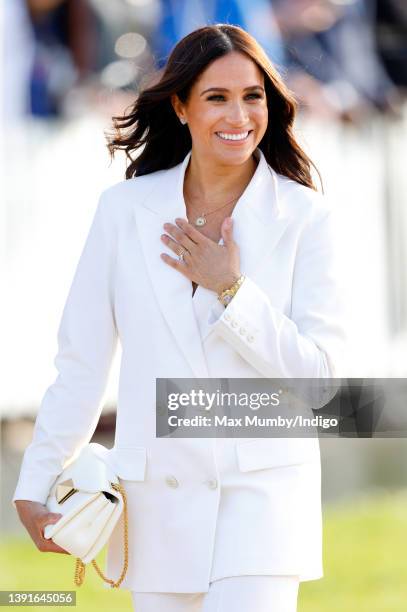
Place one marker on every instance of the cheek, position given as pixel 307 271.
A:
pixel 211 118
pixel 204 128
pixel 262 114
pixel 260 117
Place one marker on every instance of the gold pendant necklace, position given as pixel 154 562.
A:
pixel 201 220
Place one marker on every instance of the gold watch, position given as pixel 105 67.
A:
pixel 226 296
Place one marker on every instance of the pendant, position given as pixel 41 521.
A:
pixel 200 221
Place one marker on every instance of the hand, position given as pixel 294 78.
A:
pixel 35 516
pixel 210 265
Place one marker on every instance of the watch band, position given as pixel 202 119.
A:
pixel 226 296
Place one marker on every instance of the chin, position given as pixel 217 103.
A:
pixel 234 158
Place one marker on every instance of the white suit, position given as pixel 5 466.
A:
pixel 200 509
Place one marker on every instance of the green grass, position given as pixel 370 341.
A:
pixel 365 559
pixel 23 567
pixel 365 564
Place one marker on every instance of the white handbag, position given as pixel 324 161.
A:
pixel 91 499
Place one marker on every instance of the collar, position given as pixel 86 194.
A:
pixel 260 196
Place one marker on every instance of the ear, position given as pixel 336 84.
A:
pixel 177 105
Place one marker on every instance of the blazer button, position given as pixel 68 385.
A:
pixel 242 331
pixel 212 484
pixel 227 317
pixel 172 482
pixel 234 323
pixel 250 338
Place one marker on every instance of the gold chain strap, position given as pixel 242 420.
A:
pixel 80 566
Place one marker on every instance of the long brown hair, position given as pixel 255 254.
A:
pixel 153 125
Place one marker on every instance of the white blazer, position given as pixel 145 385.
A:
pixel 286 321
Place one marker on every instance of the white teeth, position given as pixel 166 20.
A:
pixel 225 136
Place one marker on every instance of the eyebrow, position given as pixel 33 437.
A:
pixel 224 89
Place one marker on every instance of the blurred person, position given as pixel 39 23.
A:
pixel 179 17
pixel 18 53
pixel 65 51
pixel 332 59
pixel 214 258
pixel 390 18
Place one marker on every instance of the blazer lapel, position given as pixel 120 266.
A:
pixel 259 222
pixel 259 219
pixel 172 289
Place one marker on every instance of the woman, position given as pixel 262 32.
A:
pixel 214 259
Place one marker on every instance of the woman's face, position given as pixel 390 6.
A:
pixel 226 110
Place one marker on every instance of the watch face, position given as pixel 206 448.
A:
pixel 227 299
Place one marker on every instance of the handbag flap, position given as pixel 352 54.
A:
pixel 87 472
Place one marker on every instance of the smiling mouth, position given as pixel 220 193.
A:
pixel 241 136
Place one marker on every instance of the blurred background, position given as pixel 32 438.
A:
pixel 67 67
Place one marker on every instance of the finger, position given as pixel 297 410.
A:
pixel 50 546
pixel 192 233
pixel 227 231
pixel 175 246
pixel 179 235
pixel 47 544
pixel 176 264
pixel 47 519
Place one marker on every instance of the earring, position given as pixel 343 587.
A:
pixel 183 121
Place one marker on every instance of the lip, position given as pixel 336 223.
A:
pixel 233 142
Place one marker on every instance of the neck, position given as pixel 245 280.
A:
pixel 213 184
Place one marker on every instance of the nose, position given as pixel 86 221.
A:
pixel 237 114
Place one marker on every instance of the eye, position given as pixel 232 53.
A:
pixel 216 97
pixel 255 96
pixel 220 97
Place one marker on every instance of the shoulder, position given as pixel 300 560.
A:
pixel 313 215
pixel 301 202
pixel 126 190
pixel 121 197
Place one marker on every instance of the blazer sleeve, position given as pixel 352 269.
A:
pixel 87 340
pixel 310 343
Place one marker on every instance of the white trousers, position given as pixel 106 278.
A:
pixel 234 594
